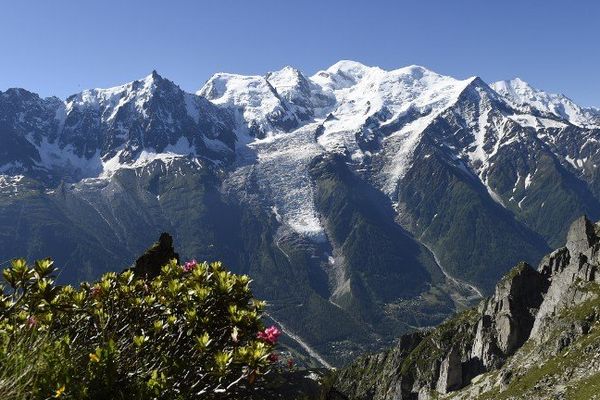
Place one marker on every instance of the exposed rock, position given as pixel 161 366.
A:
pixel 368 368
pixel 508 316
pixel 148 265
pixel 576 262
pixel 550 308
pixel 450 373
pixel 582 238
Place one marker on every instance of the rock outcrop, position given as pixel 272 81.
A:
pixel 555 310
pixel 148 265
pixel 508 316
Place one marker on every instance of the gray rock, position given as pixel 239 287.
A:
pixel 575 263
pixel 450 373
pixel 526 305
pixel 508 316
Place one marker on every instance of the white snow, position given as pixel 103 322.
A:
pixel 528 180
pixel 528 120
pixel 348 91
pixel 285 109
pixel 252 96
pixel 112 99
pixel 493 194
pixel 572 161
pixel 9 184
pixel 191 107
pixel 282 172
pixel 361 91
pixel 516 185
pixel 344 97
pixel 53 156
pixel 520 92
pixel 182 148
pixel 479 153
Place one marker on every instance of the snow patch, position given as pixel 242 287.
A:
pixel 527 181
pixel 181 149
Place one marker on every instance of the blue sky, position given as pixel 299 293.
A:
pixel 60 47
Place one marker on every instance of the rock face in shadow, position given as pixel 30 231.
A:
pixel 450 372
pixel 528 305
pixel 508 316
pixel 148 265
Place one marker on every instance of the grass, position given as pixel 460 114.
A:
pixel 586 389
pixel 20 366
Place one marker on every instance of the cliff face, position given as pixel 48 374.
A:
pixel 538 336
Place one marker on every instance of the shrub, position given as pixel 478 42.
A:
pixel 193 331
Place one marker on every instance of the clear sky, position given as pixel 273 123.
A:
pixel 59 47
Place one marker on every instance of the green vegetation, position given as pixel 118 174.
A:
pixel 588 310
pixel 554 198
pixel 384 263
pixel 549 372
pixel 586 389
pixel 452 209
pixel 195 330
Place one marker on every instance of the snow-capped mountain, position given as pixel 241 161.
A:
pixel 520 93
pixel 97 131
pixel 357 197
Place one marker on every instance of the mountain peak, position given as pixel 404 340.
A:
pixel 520 92
pixel 19 93
pixel 222 87
pixel 518 82
pixel 515 88
pixel 343 74
pixel 153 81
pixel 347 65
pixel 415 70
pixel 286 78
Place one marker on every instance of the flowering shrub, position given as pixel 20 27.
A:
pixel 269 335
pixel 193 331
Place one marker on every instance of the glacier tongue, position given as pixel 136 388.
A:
pixel 281 169
pixel 347 99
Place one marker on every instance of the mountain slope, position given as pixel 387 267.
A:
pixel 537 337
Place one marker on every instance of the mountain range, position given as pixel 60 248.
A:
pixel 363 202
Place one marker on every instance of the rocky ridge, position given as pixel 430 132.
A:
pixel 537 337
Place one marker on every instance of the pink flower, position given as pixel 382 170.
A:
pixel 190 265
pixel 95 291
pixel 269 335
pixel 31 322
pixel 273 357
